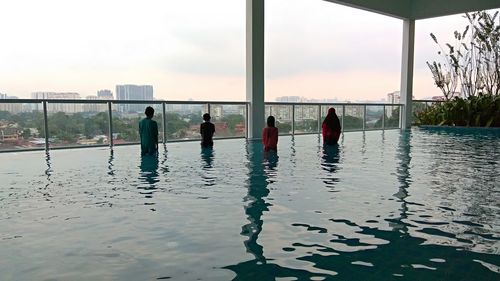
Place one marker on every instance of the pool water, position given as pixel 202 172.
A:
pixel 419 205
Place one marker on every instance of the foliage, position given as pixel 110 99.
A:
pixel 127 128
pixel 194 118
pixel 232 120
pixel 390 122
pixel 473 61
pixel 352 123
pixel 25 120
pixel 475 111
pixel 284 128
pixel 418 107
pixel 306 125
pixel 176 127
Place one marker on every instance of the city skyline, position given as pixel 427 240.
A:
pixel 105 94
pixel 313 49
pixel 108 95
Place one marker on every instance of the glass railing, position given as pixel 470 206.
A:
pixel 421 105
pixel 353 117
pixel 86 123
pixel 283 113
pixel 76 124
pixel 229 119
pixel 126 117
pixel 306 118
pixel 22 126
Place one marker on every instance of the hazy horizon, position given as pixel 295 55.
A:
pixel 193 49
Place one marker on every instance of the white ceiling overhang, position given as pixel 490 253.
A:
pixel 420 9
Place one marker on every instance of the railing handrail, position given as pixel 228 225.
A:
pixel 76 101
pixel 85 101
pixel 428 100
pixel 333 104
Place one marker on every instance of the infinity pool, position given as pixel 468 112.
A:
pixel 420 205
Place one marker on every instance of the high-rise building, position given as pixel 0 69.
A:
pixel 105 95
pixel 98 107
pixel 393 97
pixel 133 92
pixel 94 107
pixel 289 99
pixel 13 108
pixel 58 107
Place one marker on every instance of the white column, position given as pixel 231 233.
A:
pixel 255 66
pixel 406 91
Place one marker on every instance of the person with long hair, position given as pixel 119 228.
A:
pixel 331 128
pixel 270 135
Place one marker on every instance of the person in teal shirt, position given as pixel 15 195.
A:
pixel 148 131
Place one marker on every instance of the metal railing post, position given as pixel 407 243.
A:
pixel 164 122
pixel 364 117
pixel 208 109
pixel 343 116
pixel 293 119
pixel 46 125
pixel 270 110
pixel 319 119
pixel 383 117
pixel 110 117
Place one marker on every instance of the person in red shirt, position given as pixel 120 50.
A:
pixel 331 128
pixel 270 135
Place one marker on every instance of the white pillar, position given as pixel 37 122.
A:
pixel 255 66
pixel 406 91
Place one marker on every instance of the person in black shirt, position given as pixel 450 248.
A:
pixel 207 130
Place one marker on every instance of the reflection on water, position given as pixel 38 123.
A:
pixel 270 162
pixel 419 205
pixel 48 173
pixel 255 206
pixel 404 179
pixel 111 158
pixel 383 254
pixel 207 157
pixel 260 166
pixel 148 176
pixel 329 163
pixel 256 203
pixel 164 162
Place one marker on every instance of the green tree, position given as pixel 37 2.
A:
pixel 306 125
pixel 283 128
pixel 351 122
pixel 26 134
pixel 390 122
pixel 472 62
pixel 176 127
pixel 194 118
pixel 232 120
pixel 5 115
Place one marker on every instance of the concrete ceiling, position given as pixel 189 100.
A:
pixel 419 9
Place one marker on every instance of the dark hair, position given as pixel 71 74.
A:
pixel 206 117
pixel 332 120
pixel 271 121
pixel 149 111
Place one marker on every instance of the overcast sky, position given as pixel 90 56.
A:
pixel 196 48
